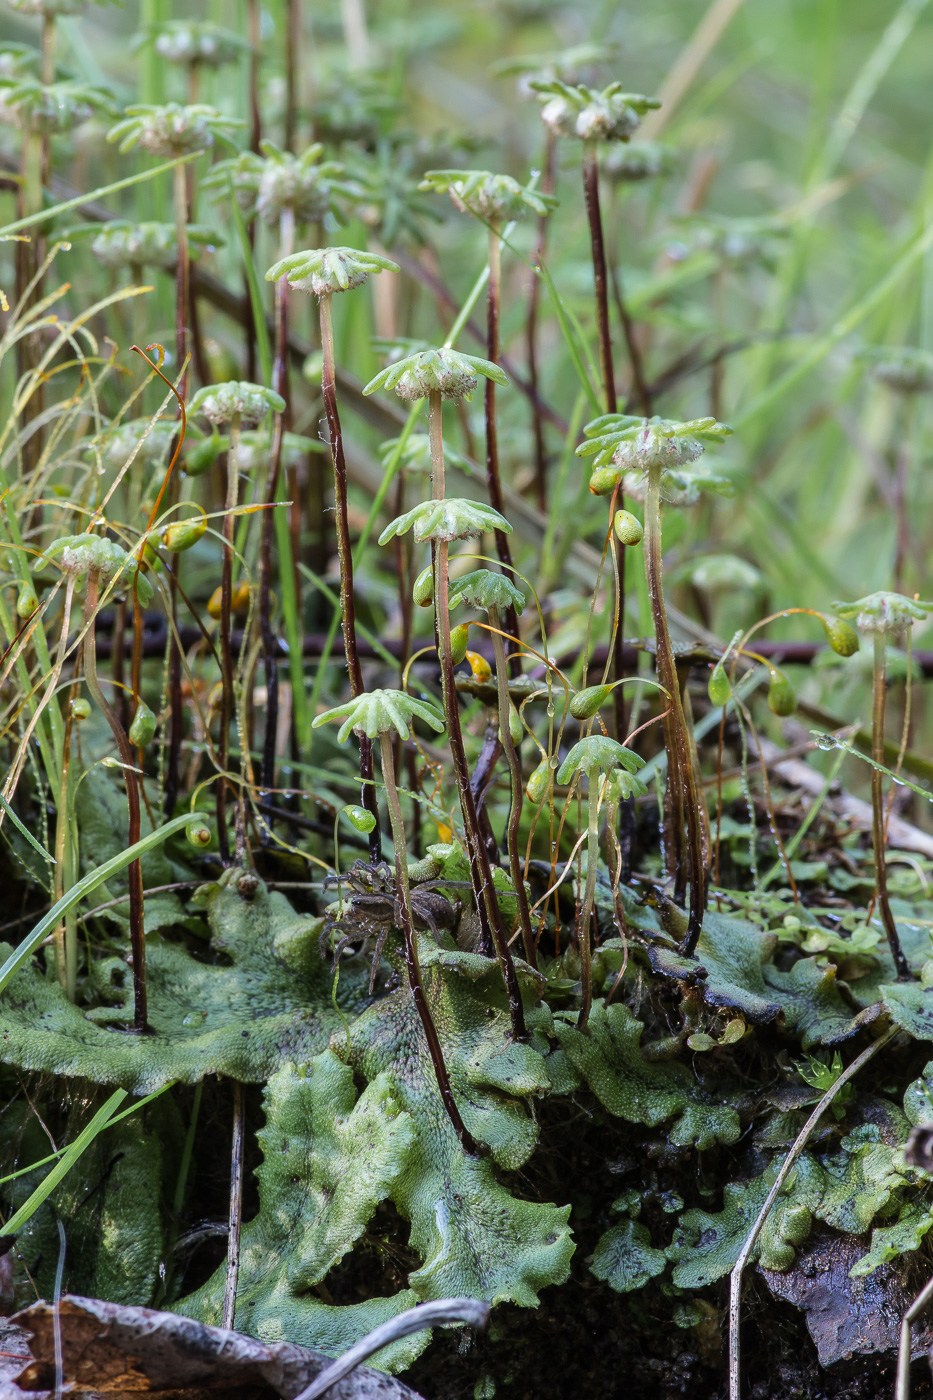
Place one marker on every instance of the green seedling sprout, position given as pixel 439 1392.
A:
pixel 381 714
pixel 437 375
pixel 495 594
pixel 233 405
pixel 883 615
pixel 648 450
pixel 603 762
pixel 324 272
pixel 494 200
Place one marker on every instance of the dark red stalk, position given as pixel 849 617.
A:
pixel 182 304
pixel 493 483
pixel 127 759
pixel 480 870
pixel 269 640
pixel 531 325
pixel 607 367
pixel 681 775
pixel 879 680
pixel 347 602
pixel 403 901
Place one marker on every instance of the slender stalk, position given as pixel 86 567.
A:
pixel 255 45
pixel 347 603
pixel 607 368
pixel 292 50
pixel 493 483
pixel 467 1141
pixel 228 1315
pixel 477 855
pixel 518 790
pixel 226 650
pixel 600 275
pixel 531 325
pixel 879 683
pixel 589 896
pixel 127 758
pixel 182 297
pixel 280 385
pixel 681 774
pixel 66 943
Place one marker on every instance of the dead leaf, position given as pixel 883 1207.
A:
pixel 118 1352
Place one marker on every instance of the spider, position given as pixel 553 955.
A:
pixel 374 908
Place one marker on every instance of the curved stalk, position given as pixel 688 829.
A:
pixel 226 652
pixel 879 681
pixel 134 872
pixel 518 790
pixel 345 555
pixel 680 771
pixel 477 855
pixel 397 822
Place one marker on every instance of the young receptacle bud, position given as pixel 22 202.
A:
pixel 459 641
pixel 423 590
pixel 627 527
pixel 539 782
pixel 143 726
pixel 184 534
pixel 586 703
pixel 782 698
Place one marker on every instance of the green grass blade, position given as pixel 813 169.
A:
pixel 100 193
pixel 74 1150
pixel 90 882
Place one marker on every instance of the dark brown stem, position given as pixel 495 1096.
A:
pixel 134 872
pixel 531 325
pixel 518 790
pixel 607 368
pixel 255 118
pixel 280 385
pixel 347 602
pixel 467 1141
pixel 480 870
pixel 226 650
pixel 182 299
pixel 493 483
pixel 600 277
pixel 680 771
pixel 292 50
pixel 879 681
